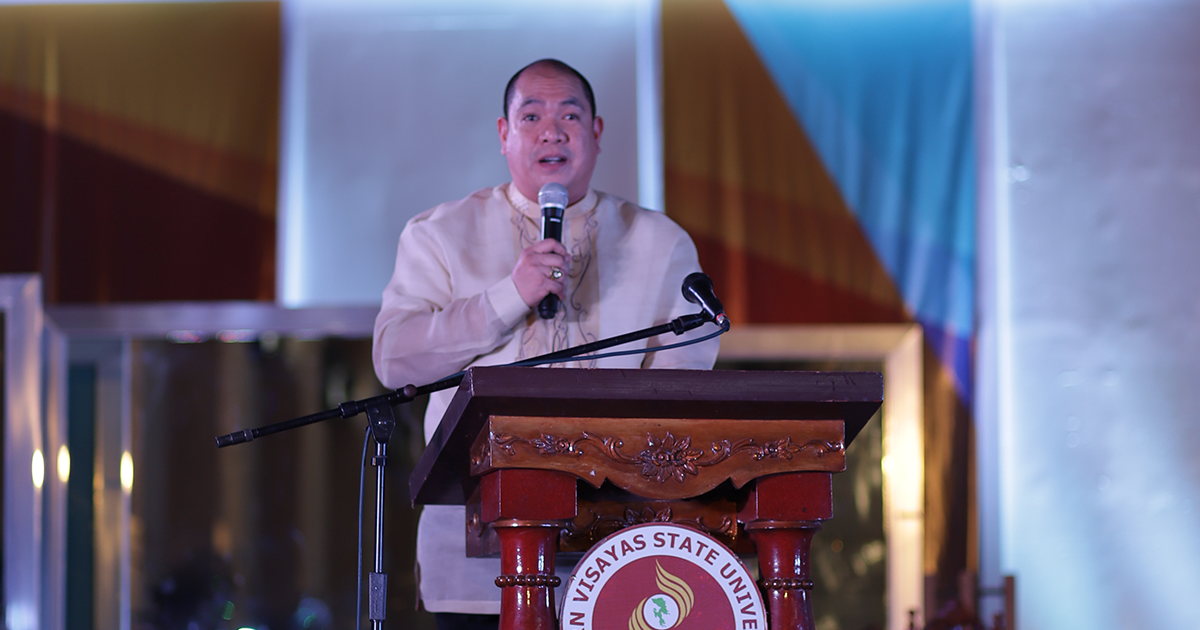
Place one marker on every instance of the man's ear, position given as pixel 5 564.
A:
pixel 502 129
pixel 597 129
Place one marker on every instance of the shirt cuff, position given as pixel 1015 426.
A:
pixel 507 302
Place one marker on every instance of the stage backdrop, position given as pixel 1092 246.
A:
pixel 391 108
pixel 138 149
pixel 822 155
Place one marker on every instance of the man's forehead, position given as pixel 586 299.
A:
pixel 538 100
pixel 548 86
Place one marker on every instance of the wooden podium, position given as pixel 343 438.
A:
pixel 745 456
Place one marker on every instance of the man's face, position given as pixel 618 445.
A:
pixel 550 134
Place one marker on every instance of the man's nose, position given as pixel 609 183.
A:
pixel 553 132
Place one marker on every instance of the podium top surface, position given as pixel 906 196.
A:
pixel 441 476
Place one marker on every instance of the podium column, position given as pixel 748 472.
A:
pixel 782 514
pixel 527 509
pixel 528 580
pixel 783 551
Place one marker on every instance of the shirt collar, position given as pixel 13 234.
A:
pixel 532 210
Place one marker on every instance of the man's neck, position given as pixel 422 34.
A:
pixel 574 197
pixel 530 208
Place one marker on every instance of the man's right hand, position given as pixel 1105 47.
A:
pixel 532 273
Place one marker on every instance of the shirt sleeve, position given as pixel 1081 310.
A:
pixel 682 260
pixel 424 331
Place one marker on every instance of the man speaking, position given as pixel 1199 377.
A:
pixel 470 275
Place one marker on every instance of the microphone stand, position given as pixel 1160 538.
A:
pixel 382 422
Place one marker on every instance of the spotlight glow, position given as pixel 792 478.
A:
pixel 127 471
pixel 39 469
pixel 240 335
pixel 187 336
pixel 64 464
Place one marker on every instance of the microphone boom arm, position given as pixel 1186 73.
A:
pixel 408 393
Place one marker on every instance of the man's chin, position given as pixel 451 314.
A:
pixel 541 178
pixel 560 172
pixel 538 182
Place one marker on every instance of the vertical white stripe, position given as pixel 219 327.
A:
pixel 1003 266
pixel 21 308
pixel 648 26
pixel 994 345
pixel 290 233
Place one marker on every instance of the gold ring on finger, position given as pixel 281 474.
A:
pixel 556 273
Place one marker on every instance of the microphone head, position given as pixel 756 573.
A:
pixel 698 289
pixel 553 194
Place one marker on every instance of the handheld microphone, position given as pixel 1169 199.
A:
pixel 553 200
pixel 698 289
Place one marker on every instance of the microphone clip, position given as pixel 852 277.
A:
pixel 684 323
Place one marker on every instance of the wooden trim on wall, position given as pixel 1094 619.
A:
pixel 899 348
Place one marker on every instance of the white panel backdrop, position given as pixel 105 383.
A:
pixel 1096 311
pixel 390 108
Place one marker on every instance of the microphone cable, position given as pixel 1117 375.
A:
pixel 362 475
pixel 530 362
pixel 535 362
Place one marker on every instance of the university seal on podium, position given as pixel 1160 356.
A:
pixel 658 576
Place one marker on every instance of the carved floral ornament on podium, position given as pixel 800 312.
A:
pixel 671 455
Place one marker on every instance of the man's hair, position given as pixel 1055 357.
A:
pixel 553 64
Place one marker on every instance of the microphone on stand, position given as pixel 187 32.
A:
pixel 553 200
pixel 698 289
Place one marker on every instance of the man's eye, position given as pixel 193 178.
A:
pixel 529 117
pixel 572 116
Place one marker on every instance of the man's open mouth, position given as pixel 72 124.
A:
pixel 553 159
